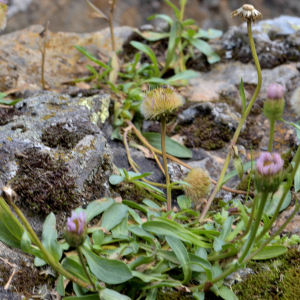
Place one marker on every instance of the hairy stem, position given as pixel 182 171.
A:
pixel 164 156
pixel 238 130
pixel 271 137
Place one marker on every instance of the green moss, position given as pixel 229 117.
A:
pixel 287 157
pixel 243 185
pixel 58 135
pixel 273 279
pixel 44 184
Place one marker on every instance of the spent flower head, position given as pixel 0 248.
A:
pixel 268 172
pixel 295 102
pixel 248 13
pixel 199 184
pixel 160 101
pixel 274 104
pixel 3 13
pixel 75 231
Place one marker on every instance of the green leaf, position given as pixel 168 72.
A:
pixel 296 179
pixel 209 34
pixel 172 147
pixel 218 243
pixel 226 228
pixel 199 295
pixel 96 207
pixel 115 179
pixel 182 255
pixel 161 16
pixel 28 248
pixel 272 202
pixel 226 293
pixel 60 288
pixel 86 297
pixel 152 36
pixel 188 22
pixel 157 81
pixel 233 173
pixel 151 204
pixel 151 295
pixel 134 205
pixel 242 94
pixel 213 58
pixel 201 45
pixel 149 277
pixel 135 216
pixel 166 283
pixel 140 176
pixel 10 102
pixel 98 237
pixel 184 202
pixel 141 260
pixel 161 226
pixel 49 240
pixel 108 294
pixel 185 75
pixel 140 232
pixel 114 215
pixel 106 270
pixel 149 52
pixel 270 252
pixel 148 186
pixel 91 57
pixel 72 265
pixel 175 9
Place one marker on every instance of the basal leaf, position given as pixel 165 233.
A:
pixel 108 294
pixel 96 207
pixel 114 215
pixel 172 147
pixel 270 252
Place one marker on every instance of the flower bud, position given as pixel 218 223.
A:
pixel 75 231
pixel 199 184
pixel 3 13
pixel 274 105
pixel 160 101
pixel 9 194
pixel 268 172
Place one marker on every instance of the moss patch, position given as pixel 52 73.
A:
pixel 7 115
pixel 58 135
pixel 273 279
pixel 44 184
pixel 205 133
pixel 25 280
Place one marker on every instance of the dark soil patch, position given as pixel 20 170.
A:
pixel 7 115
pixel 44 184
pixel 251 136
pixel 59 135
pixel 205 133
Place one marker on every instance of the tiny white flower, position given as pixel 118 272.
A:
pixel 248 13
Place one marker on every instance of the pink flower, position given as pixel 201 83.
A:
pixel 77 222
pixel 3 1
pixel 268 164
pixel 275 91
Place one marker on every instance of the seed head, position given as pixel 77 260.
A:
pixel 295 102
pixel 161 101
pixel 75 232
pixel 3 13
pixel 9 194
pixel 274 104
pixel 248 13
pixel 268 172
pixel 199 184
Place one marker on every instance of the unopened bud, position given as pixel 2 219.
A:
pixel 75 231
pixel 274 104
pixel 9 194
pixel 268 172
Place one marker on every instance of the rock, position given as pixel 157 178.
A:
pixel 21 57
pixel 63 132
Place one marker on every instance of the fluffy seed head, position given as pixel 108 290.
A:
pixel 200 184
pixel 75 231
pixel 295 102
pixel 248 13
pixel 160 101
pixel 268 172
pixel 3 13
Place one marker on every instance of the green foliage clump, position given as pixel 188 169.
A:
pixel 44 184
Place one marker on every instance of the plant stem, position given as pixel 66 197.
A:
pixel 84 267
pixel 271 138
pixel 251 238
pixel 164 156
pixel 47 257
pixel 45 33
pixel 111 25
pixel 242 121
